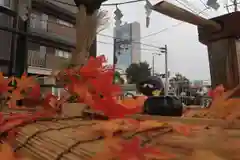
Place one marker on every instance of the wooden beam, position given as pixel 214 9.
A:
pixel 178 13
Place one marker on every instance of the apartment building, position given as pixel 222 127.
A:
pixel 53 20
pixel 52 39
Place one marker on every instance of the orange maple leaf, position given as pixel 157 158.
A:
pixel 25 82
pixel 105 152
pixel 131 149
pixel 183 129
pixel 16 95
pixel 109 128
pixel 6 152
pixel 150 124
pixel 81 89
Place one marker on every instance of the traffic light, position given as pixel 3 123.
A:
pixel 163 49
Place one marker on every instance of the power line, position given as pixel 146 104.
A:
pixel 167 28
pixel 144 44
pixel 186 6
pixel 104 4
pixel 203 4
pixel 121 3
pixel 141 49
pixel 134 1
pixel 194 7
pixel 52 22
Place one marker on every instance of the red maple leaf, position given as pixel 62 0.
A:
pixel 71 74
pixel 53 104
pixel 217 92
pixel 93 66
pixel 103 84
pixel 132 150
pixel 1 118
pixel 13 116
pixel 10 124
pixel 35 92
pixel 111 108
pixel 14 120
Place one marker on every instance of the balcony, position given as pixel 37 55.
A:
pixel 35 59
pixel 62 31
pixel 52 30
pixel 43 64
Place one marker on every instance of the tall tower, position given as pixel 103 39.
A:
pixel 127 46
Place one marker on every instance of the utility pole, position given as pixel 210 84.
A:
pixel 153 61
pixel 165 51
pixel 153 64
pixel 235 3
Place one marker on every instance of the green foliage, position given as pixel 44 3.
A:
pixel 137 72
pixel 73 99
pixel 117 79
pixel 180 82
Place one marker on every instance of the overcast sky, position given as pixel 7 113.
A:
pixel 186 54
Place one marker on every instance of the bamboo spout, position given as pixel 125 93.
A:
pixel 178 13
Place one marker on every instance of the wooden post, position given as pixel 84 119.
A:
pixel 224 50
pixel 86 27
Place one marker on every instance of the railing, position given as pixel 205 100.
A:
pixel 36 59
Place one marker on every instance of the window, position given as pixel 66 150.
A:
pixel 39 21
pixel 5 3
pixel 61 53
pixel 64 23
pixel 43 51
pixel 44 21
pixel 35 21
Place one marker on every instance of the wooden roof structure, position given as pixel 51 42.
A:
pixel 73 139
pixel 220 34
